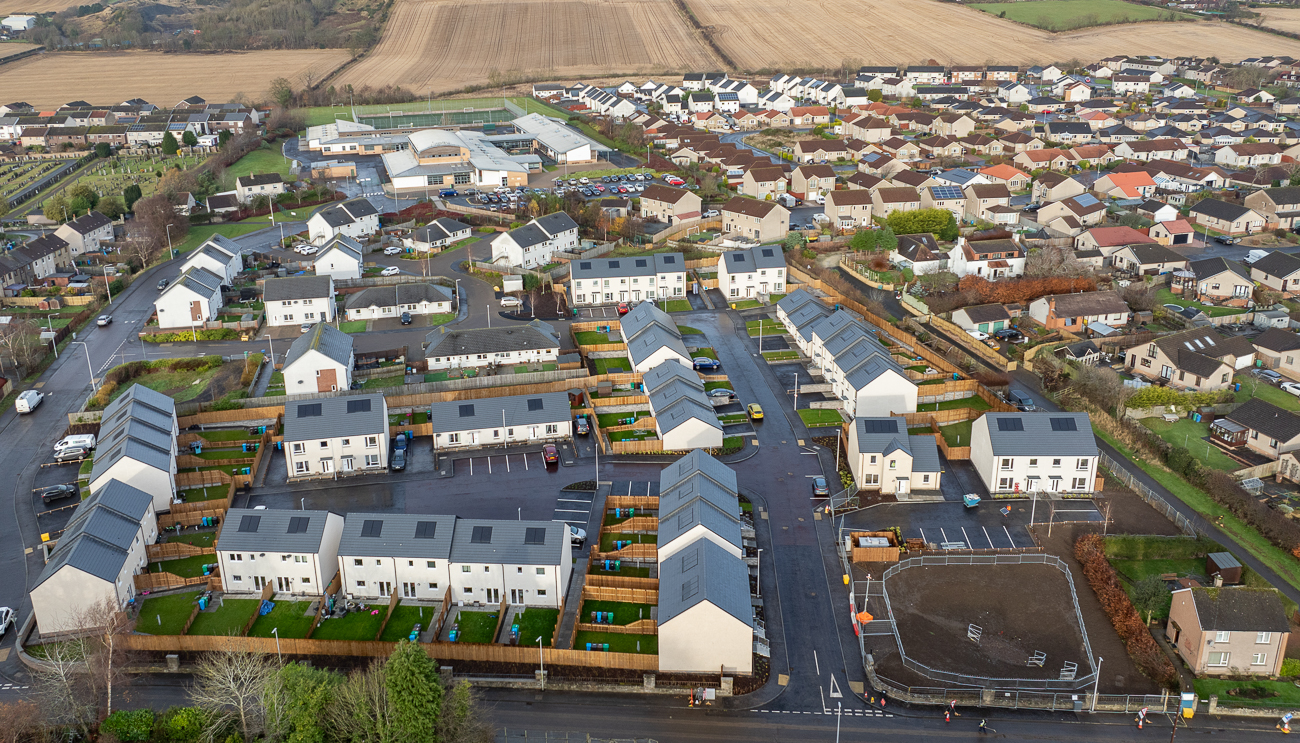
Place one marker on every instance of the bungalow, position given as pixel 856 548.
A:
pixel 1270 431
pixel 391 302
pixel 1013 178
pixel 986 318
pixel 920 253
pixel 1152 149
pixel 1074 312
pixel 1232 219
pixel 1248 155
pixel 1131 185
pixel 1278 271
pixel 1279 350
pixel 1222 281
pixel 1109 239
pixel 1157 211
pixel 457 348
pixel 1049 159
pixel 1150 259
pixel 1084 353
pixel 1191 360
pixel 809 116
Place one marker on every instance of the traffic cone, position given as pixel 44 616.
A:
pixel 946 716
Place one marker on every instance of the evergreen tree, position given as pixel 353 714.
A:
pixel 414 694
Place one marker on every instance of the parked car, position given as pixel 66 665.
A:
pixel 704 363
pixel 103 320
pixel 309 250
pixel 1225 240
pixel 390 271
pixel 624 308
pixel 6 619
pixel 510 302
pixel 721 392
pixel 447 193
pixel 58 492
pixel 1292 387
pixel 1268 375
pixel 406 318
pixel 392 250
pixel 71 454
pixel 84 440
pixel 550 454
pixel 306 327
pixel 162 284
pixel 711 213
pixel 1033 207
pixel 399 442
pixel 978 335
pixel 397 462
pixel 1023 402
pixel 819 487
pixel 577 537
pixel 1010 335
pixel 755 411
pixel 580 424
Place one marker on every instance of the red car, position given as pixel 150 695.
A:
pixel 623 308
pixel 551 454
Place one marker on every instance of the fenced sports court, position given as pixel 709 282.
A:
pixel 451 112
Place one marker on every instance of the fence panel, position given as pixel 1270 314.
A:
pixel 627 595
pixel 634 447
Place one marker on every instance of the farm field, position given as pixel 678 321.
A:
pixel 1060 15
pixel 1283 19
pixel 438 45
pixel 793 34
pixel 10 48
pixel 50 80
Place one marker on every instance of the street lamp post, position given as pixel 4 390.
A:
pixel 1095 682
pixel 89 368
pixel 169 241
pixel 759 565
pixel 541 660
pixel 276 631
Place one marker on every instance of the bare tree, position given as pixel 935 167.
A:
pixel 231 684
pixel 106 657
pixel 60 685
pixel 1139 296
pixel 360 711
pixel 19 722
pixel 23 342
pixel 1053 262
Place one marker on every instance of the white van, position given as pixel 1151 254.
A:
pixel 83 440
pixel 28 401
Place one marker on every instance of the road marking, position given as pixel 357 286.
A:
pixel 525 461
pixel 986 536
pixel 965 537
pixel 507 464
pixel 570 510
pixel 1009 539
pixel 489 459
pixel 923 539
pixel 573 500
pixel 835 689
pixel 471 466
pixel 817 664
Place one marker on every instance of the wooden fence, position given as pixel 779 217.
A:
pixel 600 348
pixel 695 263
pixel 648 423
pixel 874 554
pixel 621 581
pixel 189 460
pixel 635 447
pixel 951 452
pixel 594 327
pixel 393 601
pixel 606 402
pixel 230 416
pixel 164 580
pixel 174 550
pixel 639 627
pixel 183 441
pixel 267 594
pixel 192 518
pixel 202 479
pixel 631 552
pixel 953 415
pixel 441 651
pixel 642 524
pixel 650 502
pixel 970 345
pixel 625 595
pixel 331 590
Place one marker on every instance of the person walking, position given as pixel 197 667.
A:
pixel 953 707
pixel 984 726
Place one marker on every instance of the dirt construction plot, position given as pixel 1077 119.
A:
pixel 1020 608
pixel 770 35
pixel 50 80
pixel 444 45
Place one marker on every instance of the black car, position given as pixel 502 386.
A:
pixel 1009 335
pixel 406 318
pixel 580 425
pixel 1032 207
pixel 397 462
pixel 1224 240
pixel 1023 402
pixel 58 492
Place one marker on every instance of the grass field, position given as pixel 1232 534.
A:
pixel 179 385
pixel 319 115
pixel 1188 433
pixel 266 159
pixel 677 305
pixel 200 233
pixel 624 612
pixel 112 176
pixel 1270 693
pixel 166 615
pixel 813 418
pixel 608 366
pixel 1065 15
pixel 228 620
pixel 537 622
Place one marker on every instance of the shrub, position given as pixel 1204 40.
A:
pixel 251 365
pixel 127 725
pixel 1291 667
pixel 222 334
pixel 182 724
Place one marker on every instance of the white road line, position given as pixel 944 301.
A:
pixel 507 464
pixel 471 466
pixel 570 510
pixel 489 459
pixel 525 461
pixel 986 536
pixel 1009 539
pixel 923 539
pixel 816 663
pixel 966 538
pixel 572 500
pixel 943 533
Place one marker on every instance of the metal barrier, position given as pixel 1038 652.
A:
pixel 1147 494
pixel 985 681
pixel 1023 699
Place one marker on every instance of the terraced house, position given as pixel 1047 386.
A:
pixel 609 280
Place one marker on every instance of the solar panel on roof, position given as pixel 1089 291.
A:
pixel 535 403
pixel 640 263
pixel 767 252
pixel 1010 424
pixel 426 529
pixel 309 411
pixel 880 426
pixel 738 257
pixel 945 192
pixel 1063 424
pixel 249 523
pixel 535 535
pixel 670 259
pixel 1086 199
pixel 359 406
pixel 585 265
pixel 372 527
pixel 298 525
pixel 467 411
pixel 481 535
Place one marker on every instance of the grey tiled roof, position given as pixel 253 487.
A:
pixel 342 243
pixel 508 542
pixel 1268 419
pixel 554 224
pixel 925 454
pixel 1215 266
pixel 1277 339
pixel 794 300
pixel 323 337
pixel 249 530
pixel 141 394
pixel 643 316
pixel 1236 610
pixel 201 281
pixel 807 316
pixel 384 296
pixel 1277 263
pixel 744 261
pixel 136 441
pixel 329 417
pixel 297 287
pixel 98 538
pixel 519 410
pixel 1037 435
pixel 704 572
pixel 649 342
pixel 668 371
pixel 528 235
pixel 699 512
pixel 695 462
pixel 447 341
pixel 649 265
pixel 397 535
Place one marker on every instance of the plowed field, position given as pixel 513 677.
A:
pixel 33 7
pixel 766 34
pixel 443 45
pixel 1283 19
pixel 48 80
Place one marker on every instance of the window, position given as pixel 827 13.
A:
pixel 542 571
pixel 305 580
pixel 925 478
pixel 1056 463
pixel 1033 462
pixel 1222 636
pixel 237 578
pixel 361 584
pixel 893 464
pixel 487 568
pixel 432 564
pixel 433 586
pixel 298 448
pixel 1004 483
pixel 873 459
pixel 344 442
pixel 236 558
pixel 1146 363
pixel 1079 483
pixel 1218 659
pixel 356 561
pixel 1083 465
pixel 552 428
pixel 1263 638
pixel 453 438
pixel 469 590
pixel 1257 659
pixel 1006 464
pixel 372 460
pixel 464 568
pixel 871 479
pixel 301 468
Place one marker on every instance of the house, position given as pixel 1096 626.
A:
pixel 1130 84
pixel 751 273
pixel 760 220
pixel 391 302
pixel 436 235
pixel 809 116
pixel 949 198
pixel 882 456
pixel 919 253
pixel 357 218
pixel 807 181
pixel 820 150
pixel 501 421
pixel 219 255
pixel 1147 150
pixel 339 259
pixel 652 338
pixel 1190 360
pixel 1077 211
pixel 1013 178
pixel 986 318
pixel 990 202
pixel 336 436
pixel 705 617
pixel 294 552
pixel 1049 159
pixel 87 233
pixel 1174 232
pixel 1157 211
pixel 1074 312
pixel 1278 271
pixel 1131 185
pixel 851 208
pixel 1238 631
pixel 699 507
pixel 1278 350
pixel 451 348
pixel 886 201
pixel 1035 452
pixel 607 280
pixel 763 181
pixel 298 300
pixel 1248 155
pixel 1150 259
pixel 137 445
pixel 1222 281
pixel 1268 430
pixel 1280 207
pixel 190 301
pixel 992 259
pixel 1109 239
pixel 95 560
pixel 660 203
pixel 1084 353
pixel 684 417
pixel 249 187
pixel 534 244
pixel 478 561
pixel 222 203
pixel 1051 186
pixel 860 370
pixel 320 360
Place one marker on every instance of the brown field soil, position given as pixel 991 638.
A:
pixel 443 45
pixel 47 80
pixel 797 33
pixel 1283 19
pixel 10 48
pixel 33 7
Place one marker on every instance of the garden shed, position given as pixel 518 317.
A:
pixel 1224 565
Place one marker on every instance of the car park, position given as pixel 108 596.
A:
pixel 406 318
pixel 390 271
pixel 71 454
pixel 755 411
pixel 819 487
pixel 103 320
pixel 392 250
pixel 704 363
pixel 550 454
pixel 58 492
pixel 580 425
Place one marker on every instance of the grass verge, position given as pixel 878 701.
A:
pixel 812 418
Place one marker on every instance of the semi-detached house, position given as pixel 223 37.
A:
pixel 357 218
pixel 336 436
pixel 1035 452
pixel 759 220
pixel 669 205
pixel 319 360
pixel 190 301
pixel 294 552
pixel 534 244
pixel 296 300
pixel 87 233
pixel 752 273
pixel 607 280
pixel 450 347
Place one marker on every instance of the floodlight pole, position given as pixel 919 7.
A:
pixel 1095 682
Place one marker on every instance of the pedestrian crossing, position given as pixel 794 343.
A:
pixel 846 713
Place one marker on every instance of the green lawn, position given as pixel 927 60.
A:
pixel 745 304
pixel 441 318
pixel 400 419
pixel 790 355
pixel 1164 296
pixel 919 431
pixel 359 625
pixel 612 365
pixel 1065 15
pixel 178 385
pixel 774 298
pixel 607 540
pixel 476 626
pixel 627 571
pixel 704 351
pixel 688 330
pixel 1137 547
pixel 318 115
pixel 1272 693
pixel 607 420
pixel 1249 539
pixel 537 622
pixel 353 326
pixel 166 615
pixel 734 442
pixel 973 402
pixel 200 233
pixel 228 620
pixel 769 327
pixel 290 617
pixel 592 338
pixel 1136 570
pixel 377 382
pixel 624 612
pixel 1188 433
pixel 813 418
pixel 217 454
pixel 233 434
pixel 677 305
pixel 185 567
pixel 1252 387
pixel 718 386
pixel 633 435
pixel 618 643
pixel 266 159
pixel 197 539
pixel 404 620
pixel 957 434
pixel 214 492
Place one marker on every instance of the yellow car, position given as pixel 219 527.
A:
pixel 755 412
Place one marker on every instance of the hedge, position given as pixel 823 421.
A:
pixel 251 365
pixel 1090 550
pixel 223 334
pixel 129 725
pixel 1151 396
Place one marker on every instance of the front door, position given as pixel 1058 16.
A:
pixel 749 291
pixel 327 465
pixel 902 486
pixel 284 585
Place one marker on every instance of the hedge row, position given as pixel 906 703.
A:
pixel 1090 550
pixel 222 334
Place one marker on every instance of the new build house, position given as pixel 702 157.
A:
pixel 319 360
pixel 341 258
pixel 437 235
pixel 684 418
pixel 295 552
pixel 497 421
pixel 357 218
pixel 189 302
pixel 219 255
pixel 380 302
pixel 652 338
pixel 1035 452
pixel 298 300
pixel 336 436
pixel 534 244
pixel 882 456
pixel 608 280
pixel 137 445
pixel 458 348
pixel 752 273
